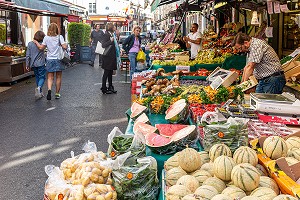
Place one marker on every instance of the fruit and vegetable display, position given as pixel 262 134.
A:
pixel 219 174
pixel 12 50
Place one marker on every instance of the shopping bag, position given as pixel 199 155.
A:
pixel 141 56
pixel 99 49
pixel 140 66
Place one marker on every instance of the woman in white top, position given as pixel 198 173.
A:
pixel 53 65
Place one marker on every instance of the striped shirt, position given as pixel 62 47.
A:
pixel 266 59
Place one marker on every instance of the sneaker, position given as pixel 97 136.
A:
pixel 57 96
pixel 37 93
pixel 49 95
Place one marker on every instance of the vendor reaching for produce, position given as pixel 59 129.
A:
pixel 193 41
pixel 262 62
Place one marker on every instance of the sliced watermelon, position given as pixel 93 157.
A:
pixel 137 110
pixel 168 130
pixel 187 136
pixel 178 112
pixel 143 119
pixel 158 144
pixel 144 128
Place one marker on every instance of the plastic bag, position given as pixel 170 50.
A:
pixel 120 143
pixel 55 184
pixel 140 66
pixel 137 181
pixel 233 133
pixel 141 56
pixel 93 191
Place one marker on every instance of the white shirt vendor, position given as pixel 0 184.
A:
pixel 193 40
pixel 194 47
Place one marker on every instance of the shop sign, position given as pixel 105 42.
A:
pixel 88 21
pixel 72 18
pixel 183 68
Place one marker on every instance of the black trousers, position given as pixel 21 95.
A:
pixel 107 75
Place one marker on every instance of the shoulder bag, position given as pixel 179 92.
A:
pixel 63 55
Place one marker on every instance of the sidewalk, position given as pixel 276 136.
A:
pixel 38 133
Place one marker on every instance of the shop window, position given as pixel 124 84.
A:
pixel 291 32
pixel 92 7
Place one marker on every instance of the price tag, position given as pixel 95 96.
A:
pixel 270 7
pixel 269 32
pixel 183 68
pixel 276 7
pixel 284 8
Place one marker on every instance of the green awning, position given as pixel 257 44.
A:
pixel 156 3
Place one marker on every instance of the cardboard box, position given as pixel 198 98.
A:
pixel 246 85
pixel 292 67
pixel 182 57
pixel 222 77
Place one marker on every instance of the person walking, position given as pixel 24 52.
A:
pixel 96 36
pixel 132 45
pixel 262 62
pixel 109 60
pixel 193 41
pixel 54 66
pixel 36 59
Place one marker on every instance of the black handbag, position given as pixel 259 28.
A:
pixel 107 50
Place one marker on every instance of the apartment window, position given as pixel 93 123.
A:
pixel 92 7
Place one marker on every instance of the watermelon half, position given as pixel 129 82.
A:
pixel 168 130
pixel 137 110
pixel 178 112
pixel 144 128
pixel 158 144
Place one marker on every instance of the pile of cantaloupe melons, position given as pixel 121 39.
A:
pixel 219 175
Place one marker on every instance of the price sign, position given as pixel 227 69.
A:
pixel 277 7
pixel 183 68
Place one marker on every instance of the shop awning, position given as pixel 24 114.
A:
pixel 49 5
pixel 156 3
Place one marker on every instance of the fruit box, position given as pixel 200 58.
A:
pixel 246 85
pixel 292 67
pixel 222 77
pixel 284 175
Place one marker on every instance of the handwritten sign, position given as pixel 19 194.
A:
pixel 284 8
pixel 276 7
pixel 183 68
pixel 270 7
pixel 269 32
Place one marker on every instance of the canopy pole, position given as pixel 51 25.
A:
pixel 181 21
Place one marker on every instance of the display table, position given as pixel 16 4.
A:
pixel 13 69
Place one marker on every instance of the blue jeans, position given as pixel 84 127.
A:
pixel 273 85
pixel 132 59
pixel 40 76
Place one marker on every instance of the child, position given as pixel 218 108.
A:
pixel 36 60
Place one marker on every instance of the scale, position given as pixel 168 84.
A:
pixel 283 104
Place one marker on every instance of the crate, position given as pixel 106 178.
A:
pixel 292 67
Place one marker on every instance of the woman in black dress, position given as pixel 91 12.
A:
pixel 109 61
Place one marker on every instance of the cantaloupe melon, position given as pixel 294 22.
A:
pixel 223 166
pixel 245 176
pixel 173 175
pixel 295 153
pixel 209 167
pixel 206 192
pixel 177 192
pixel 291 160
pixel 201 175
pixel 293 142
pixel 219 150
pixel 245 154
pixel 221 197
pixel 285 197
pixel 275 147
pixel 261 170
pixel 269 183
pixel 188 181
pixel 204 157
pixel 216 183
pixel 189 160
pixel 251 198
pixel 234 192
pixel 264 193
pixel 191 197
pixel 172 162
